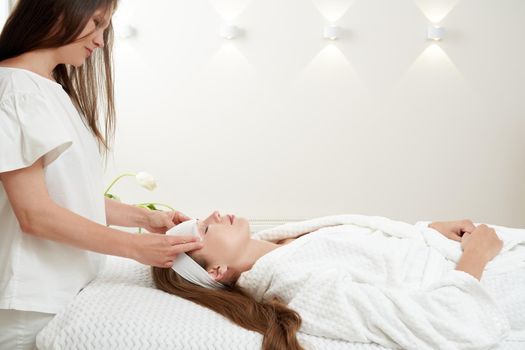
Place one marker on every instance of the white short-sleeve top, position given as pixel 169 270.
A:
pixel 38 119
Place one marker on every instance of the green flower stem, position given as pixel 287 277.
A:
pixel 114 181
pixel 161 204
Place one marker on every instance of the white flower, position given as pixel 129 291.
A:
pixel 146 180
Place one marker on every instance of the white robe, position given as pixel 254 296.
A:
pixel 371 279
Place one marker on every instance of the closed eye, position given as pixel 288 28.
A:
pixel 205 231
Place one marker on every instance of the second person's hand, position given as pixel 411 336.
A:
pixel 160 250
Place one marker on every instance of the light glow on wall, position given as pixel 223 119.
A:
pixel 431 55
pixel 229 59
pixel 333 10
pixel 230 9
pixel 331 58
pixel 436 11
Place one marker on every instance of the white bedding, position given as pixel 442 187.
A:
pixel 121 309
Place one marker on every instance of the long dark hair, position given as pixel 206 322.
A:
pixel 275 321
pixel 45 24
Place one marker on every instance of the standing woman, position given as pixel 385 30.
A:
pixel 56 118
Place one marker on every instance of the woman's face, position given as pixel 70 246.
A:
pixel 90 39
pixel 224 237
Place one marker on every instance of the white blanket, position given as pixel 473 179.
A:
pixel 371 279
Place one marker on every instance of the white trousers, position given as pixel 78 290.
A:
pixel 18 329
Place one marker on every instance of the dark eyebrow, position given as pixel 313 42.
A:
pixel 101 16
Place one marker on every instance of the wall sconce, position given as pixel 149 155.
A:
pixel 230 32
pixel 435 32
pixel 332 32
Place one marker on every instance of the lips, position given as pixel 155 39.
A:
pixel 231 218
pixel 89 51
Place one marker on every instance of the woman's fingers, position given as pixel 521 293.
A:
pixel 467 226
pixel 453 236
pixel 168 219
pixel 453 229
pixel 450 231
pixel 179 239
pixel 464 240
pixel 180 217
pixel 182 244
pixel 186 247
pixel 484 240
pixel 160 250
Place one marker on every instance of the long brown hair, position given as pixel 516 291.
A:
pixel 277 323
pixel 45 24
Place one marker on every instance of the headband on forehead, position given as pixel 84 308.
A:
pixel 184 265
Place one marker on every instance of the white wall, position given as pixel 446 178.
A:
pixel 4 10
pixel 281 124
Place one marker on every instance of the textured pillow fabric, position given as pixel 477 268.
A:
pixel 121 309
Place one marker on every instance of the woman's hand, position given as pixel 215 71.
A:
pixel 479 247
pixel 159 221
pixel 160 250
pixel 484 241
pixel 453 229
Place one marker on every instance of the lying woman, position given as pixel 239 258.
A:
pixel 349 277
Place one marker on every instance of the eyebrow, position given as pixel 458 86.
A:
pixel 101 18
pixel 101 15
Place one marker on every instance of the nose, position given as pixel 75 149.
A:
pixel 217 216
pixel 98 39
